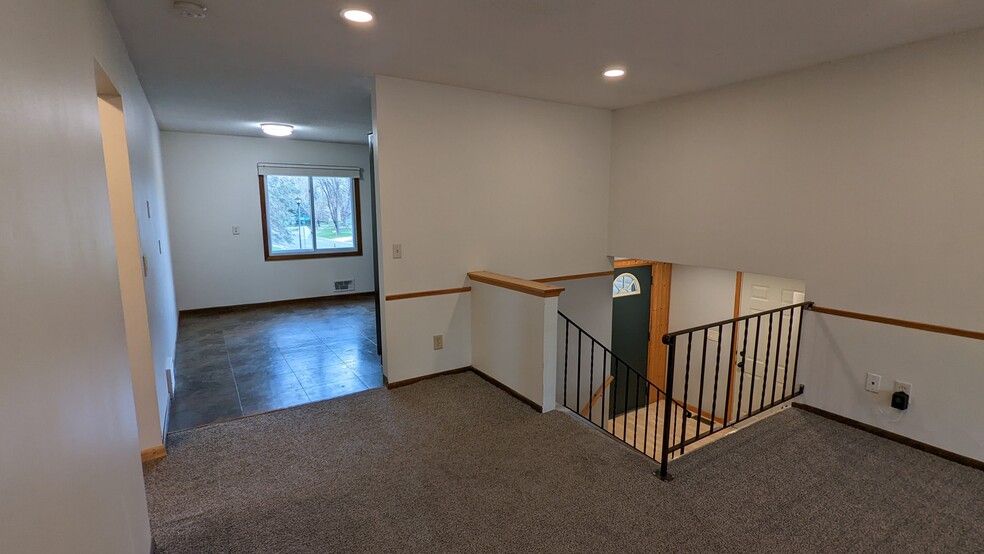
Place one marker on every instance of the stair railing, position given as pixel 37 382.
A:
pixel 740 394
pixel 603 389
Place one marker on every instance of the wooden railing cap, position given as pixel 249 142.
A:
pixel 526 286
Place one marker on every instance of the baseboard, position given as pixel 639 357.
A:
pixel 153 453
pixel 510 391
pixel 237 307
pixel 413 380
pixel 472 369
pixel 912 443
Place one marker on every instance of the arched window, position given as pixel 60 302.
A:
pixel 625 285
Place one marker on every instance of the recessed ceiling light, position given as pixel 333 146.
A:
pixel 614 72
pixel 194 10
pixel 277 129
pixel 358 16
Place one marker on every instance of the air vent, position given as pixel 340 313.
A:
pixel 342 286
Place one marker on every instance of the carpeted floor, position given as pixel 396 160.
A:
pixel 453 464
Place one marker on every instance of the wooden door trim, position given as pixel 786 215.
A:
pixel 659 322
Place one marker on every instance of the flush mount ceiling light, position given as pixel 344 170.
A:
pixel 277 129
pixel 614 72
pixel 194 10
pixel 357 16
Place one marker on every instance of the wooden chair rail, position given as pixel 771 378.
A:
pixel 514 283
pixel 900 323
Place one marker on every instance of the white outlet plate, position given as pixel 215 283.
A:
pixel 904 387
pixel 438 342
pixel 397 251
pixel 872 382
pixel 235 229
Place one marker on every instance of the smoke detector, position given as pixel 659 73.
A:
pixel 194 10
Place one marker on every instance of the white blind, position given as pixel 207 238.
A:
pixel 304 170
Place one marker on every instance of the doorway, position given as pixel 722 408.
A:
pixel 640 317
pixel 131 263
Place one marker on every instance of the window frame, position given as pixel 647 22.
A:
pixel 628 293
pixel 356 223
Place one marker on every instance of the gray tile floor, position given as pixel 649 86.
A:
pixel 253 360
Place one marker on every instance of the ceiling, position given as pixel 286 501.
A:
pixel 297 62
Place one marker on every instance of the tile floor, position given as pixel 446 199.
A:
pixel 253 360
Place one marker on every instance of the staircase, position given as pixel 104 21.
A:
pixel 719 375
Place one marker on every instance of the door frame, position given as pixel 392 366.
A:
pixel 659 316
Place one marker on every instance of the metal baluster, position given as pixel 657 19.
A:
pixel 717 370
pixel 671 356
pixel 765 367
pixel 625 405
pixel 799 334
pixel 731 362
pixel 567 342
pixel 700 393
pixel 591 383
pixel 686 390
pixel 635 413
pixel 604 392
pixel 751 386
pixel 675 412
pixel 645 433
pixel 775 372
pixel 580 350
pixel 741 365
pixel 789 342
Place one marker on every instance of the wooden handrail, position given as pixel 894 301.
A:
pixel 596 396
pixel 514 283
pixel 575 276
pixel 900 323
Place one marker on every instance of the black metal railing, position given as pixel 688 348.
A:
pixel 754 380
pixel 603 389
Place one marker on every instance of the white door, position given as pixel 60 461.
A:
pixel 764 369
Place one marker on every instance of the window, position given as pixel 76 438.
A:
pixel 309 215
pixel 625 285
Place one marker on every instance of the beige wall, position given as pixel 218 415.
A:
pixel 212 186
pixel 514 341
pixel 864 178
pixel 472 180
pixel 130 270
pixel 70 475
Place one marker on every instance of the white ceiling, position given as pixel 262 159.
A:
pixel 296 61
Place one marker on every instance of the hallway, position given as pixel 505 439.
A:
pixel 243 361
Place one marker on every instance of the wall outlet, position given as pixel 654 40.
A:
pixel 902 386
pixel 397 251
pixel 872 382
pixel 235 229
pixel 438 342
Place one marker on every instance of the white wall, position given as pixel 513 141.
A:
pixel 514 338
pixel 472 180
pixel 212 184
pixel 70 475
pixel 588 303
pixel 412 324
pixel 862 177
pixel 698 296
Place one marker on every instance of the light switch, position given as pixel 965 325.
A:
pixel 397 251
pixel 235 229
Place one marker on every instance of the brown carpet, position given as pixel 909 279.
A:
pixel 453 464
